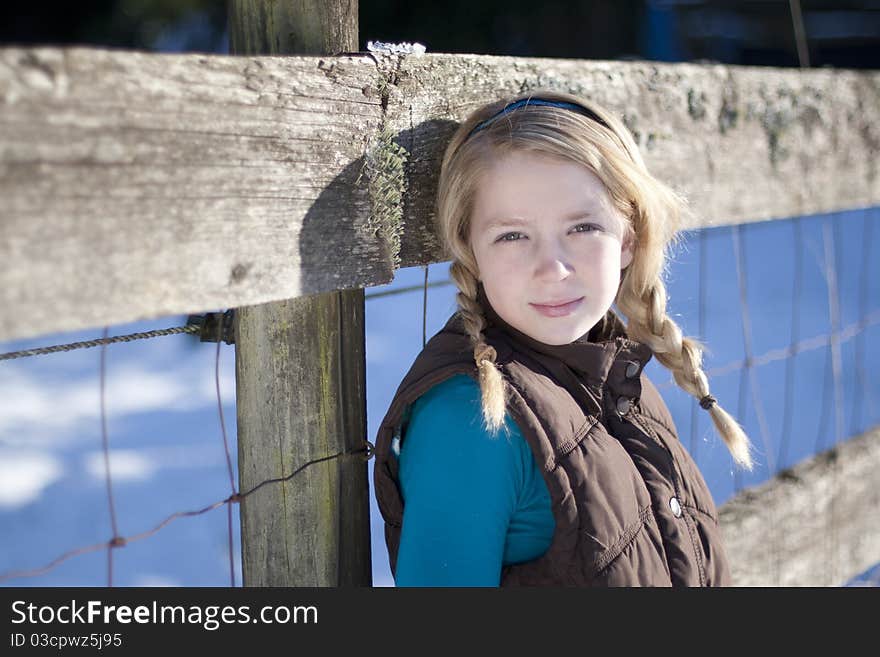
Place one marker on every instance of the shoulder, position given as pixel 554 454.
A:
pixel 458 395
pixel 446 433
pixel 449 349
pixel 450 409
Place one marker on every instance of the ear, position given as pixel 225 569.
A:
pixel 626 252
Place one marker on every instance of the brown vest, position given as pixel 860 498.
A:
pixel 631 507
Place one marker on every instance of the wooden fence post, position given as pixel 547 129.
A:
pixel 300 375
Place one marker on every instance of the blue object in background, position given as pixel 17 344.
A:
pixel 164 430
pixel 659 34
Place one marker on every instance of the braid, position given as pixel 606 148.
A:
pixel 492 386
pixel 649 323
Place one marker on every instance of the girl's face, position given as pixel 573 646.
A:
pixel 547 241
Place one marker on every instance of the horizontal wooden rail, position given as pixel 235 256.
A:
pixel 816 524
pixel 138 185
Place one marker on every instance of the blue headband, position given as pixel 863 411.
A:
pixel 580 109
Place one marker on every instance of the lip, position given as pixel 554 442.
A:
pixel 560 309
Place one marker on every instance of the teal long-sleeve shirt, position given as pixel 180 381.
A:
pixel 473 503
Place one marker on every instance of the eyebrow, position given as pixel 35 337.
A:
pixel 517 223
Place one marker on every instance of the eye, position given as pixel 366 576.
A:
pixel 586 228
pixel 510 237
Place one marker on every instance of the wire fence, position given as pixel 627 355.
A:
pixel 775 451
pixel 749 387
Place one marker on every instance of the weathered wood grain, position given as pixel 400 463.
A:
pixel 300 370
pixel 301 396
pixel 817 524
pixel 139 185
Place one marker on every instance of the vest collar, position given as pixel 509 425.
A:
pixel 603 355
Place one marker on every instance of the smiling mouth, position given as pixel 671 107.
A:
pixel 556 304
pixel 557 309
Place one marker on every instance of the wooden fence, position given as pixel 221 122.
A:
pixel 139 185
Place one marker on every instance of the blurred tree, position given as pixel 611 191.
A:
pixel 588 29
pixel 843 33
pixel 195 25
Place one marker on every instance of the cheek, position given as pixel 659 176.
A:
pixel 607 255
pixel 503 282
pixel 495 264
pixel 601 264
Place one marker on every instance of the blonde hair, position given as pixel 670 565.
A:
pixel 652 211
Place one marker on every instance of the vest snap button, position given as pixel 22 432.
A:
pixel 632 369
pixel 623 405
pixel 675 506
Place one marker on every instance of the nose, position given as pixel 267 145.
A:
pixel 552 263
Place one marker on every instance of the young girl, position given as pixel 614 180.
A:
pixel 525 446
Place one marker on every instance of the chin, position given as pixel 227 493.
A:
pixel 567 337
pixel 556 342
pixel 556 339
